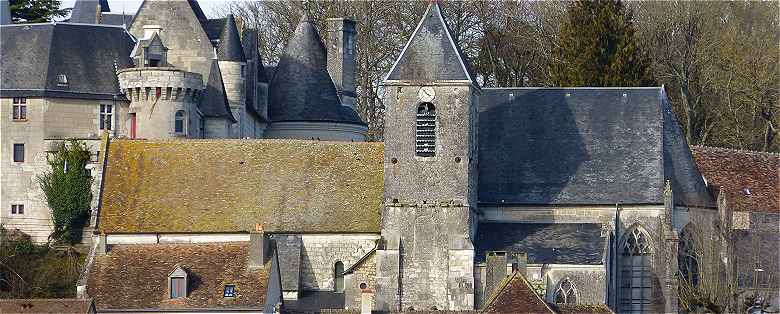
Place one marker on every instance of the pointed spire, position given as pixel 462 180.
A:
pixel 230 48
pixel 302 89
pixel 214 104
pixel 431 53
pixel 88 11
pixel 5 12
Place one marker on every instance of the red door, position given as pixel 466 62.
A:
pixel 132 125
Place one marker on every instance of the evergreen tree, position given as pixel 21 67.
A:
pixel 68 190
pixel 597 46
pixel 36 11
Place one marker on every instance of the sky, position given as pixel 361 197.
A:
pixel 131 6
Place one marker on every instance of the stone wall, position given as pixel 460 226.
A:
pixel 325 131
pixel 321 252
pixel 49 120
pixel 155 116
pixel 189 48
pixel 363 273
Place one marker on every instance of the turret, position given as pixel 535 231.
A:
pixel 232 64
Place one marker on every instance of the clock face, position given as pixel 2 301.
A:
pixel 426 94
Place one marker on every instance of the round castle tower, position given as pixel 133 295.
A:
pixel 232 65
pixel 163 102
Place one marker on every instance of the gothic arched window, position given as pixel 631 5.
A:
pixel 426 130
pixel 566 294
pixel 178 126
pixel 687 259
pixel 338 284
pixel 636 284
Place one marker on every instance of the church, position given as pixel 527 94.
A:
pixel 235 186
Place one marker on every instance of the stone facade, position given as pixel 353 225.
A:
pixel 49 121
pixel 429 200
pixel 321 252
pixel 156 95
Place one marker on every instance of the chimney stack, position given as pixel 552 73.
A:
pixel 258 247
pixel 495 270
pixel 342 58
pixel 520 263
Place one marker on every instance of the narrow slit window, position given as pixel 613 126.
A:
pixel 425 135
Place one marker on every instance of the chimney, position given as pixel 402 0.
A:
pixel 102 246
pixel 342 58
pixel 520 263
pixel 5 12
pixel 258 247
pixel 495 270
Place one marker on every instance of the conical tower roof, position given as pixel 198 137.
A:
pixel 214 104
pixel 230 42
pixel 302 89
pixel 431 53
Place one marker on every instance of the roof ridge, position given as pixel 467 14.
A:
pixel 248 141
pixel 576 87
pixel 737 150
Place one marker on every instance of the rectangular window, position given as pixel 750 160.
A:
pixel 230 291
pixel 18 152
pixel 178 288
pixel 106 117
pixel 19 108
pixel 17 209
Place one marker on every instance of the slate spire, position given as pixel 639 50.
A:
pixel 214 104
pixel 302 89
pixel 88 11
pixel 230 48
pixel 431 53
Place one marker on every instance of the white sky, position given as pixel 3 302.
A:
pixel 131 6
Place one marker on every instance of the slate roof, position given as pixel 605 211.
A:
pixel 136 276
pixel 303 90
pixel 515 295
pixel 553 243
pixel 45 306
pixel 230 48
pixel 431 53
pixel 213 28
pixel 230 185
pixel 86 11
pixel 214 103
pixel 32 56
pixel 583 146
pixel 736 170
pixel 118 19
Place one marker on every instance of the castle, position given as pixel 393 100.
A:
pixel 236 186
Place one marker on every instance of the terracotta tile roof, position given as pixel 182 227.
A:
pixel 230 185
pixel 515 295
pixel 734 171
pixel 42 306
pixel 581 308
pixel 136 276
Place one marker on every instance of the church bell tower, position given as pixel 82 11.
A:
pixel 426 259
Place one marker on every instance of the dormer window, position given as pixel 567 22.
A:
pixel 177 283
pixel 426 130
pixel 62 80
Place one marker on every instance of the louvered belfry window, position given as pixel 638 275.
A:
pixel 426 130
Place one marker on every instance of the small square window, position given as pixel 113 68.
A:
pixel 18 152
pixel 62 80
pixel 17 209
pixel 230 291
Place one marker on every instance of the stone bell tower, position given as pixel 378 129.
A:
pixel 427 256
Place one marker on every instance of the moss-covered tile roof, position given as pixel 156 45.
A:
pixel 230 185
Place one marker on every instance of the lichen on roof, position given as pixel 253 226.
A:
pixel 231 185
